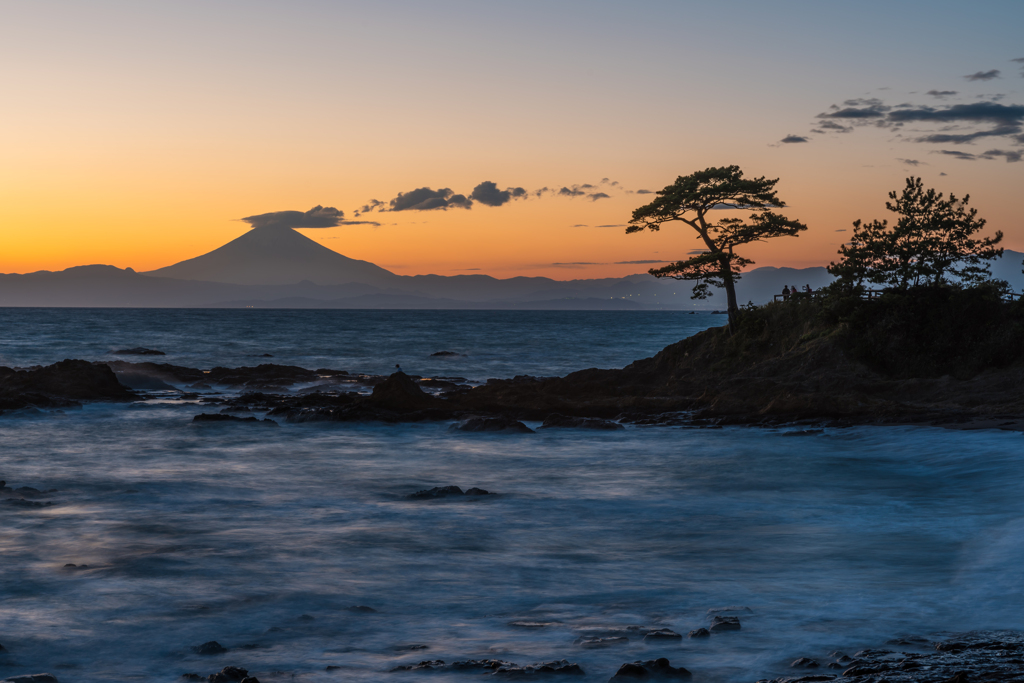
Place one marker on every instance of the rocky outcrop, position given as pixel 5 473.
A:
pixel 491 424
pixel 965 658
pixel 62 384
pixel 657 669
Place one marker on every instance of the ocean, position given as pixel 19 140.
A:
pixel 263 538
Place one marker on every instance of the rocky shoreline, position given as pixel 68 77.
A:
pixel 691 383
pixel 973 657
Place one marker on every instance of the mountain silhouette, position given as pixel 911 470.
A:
pixel 277 256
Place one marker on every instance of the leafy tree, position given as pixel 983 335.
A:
pixel 932 243
pixel 691 199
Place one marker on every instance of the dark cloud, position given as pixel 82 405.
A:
pixel 317 217
pixel 794 138
pixel 943 173
pixel 594 196
pixel 857 109
pixel 372 205
pixel 488 194
pixel 983 75
pixel 1019 60
pixel 581 225
pixel 1011 156
pixel 956 124
pixel 831 127
pixel 614 225
pixel 841 230
pixel 542 191
pixel 611 183
pixel 694 252
pixel 645 191
pixel 573 192
pixel 425 199
pixel 577 264
pixel 588 186
pixel 956 154
pixel 941 93
pixel 910 162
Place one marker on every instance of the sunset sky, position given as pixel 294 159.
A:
pixel 140 133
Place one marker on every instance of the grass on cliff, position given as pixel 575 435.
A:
pixel 923 332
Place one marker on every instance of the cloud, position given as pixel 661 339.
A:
pixel 857 109
pixel 638 263
pixel 581 225
pixel 645 191
pixel 911 162
pixel 488 194
pixel 831 127
pixel 1010 156
pixel 955 124
pixel 693 252
pixel 794 138
pixel 841 230
pixel 594 196
pixel 574 192
pixel 983 75
pixel 542 191
pixel 941 93
pixel 372 205
pixel 425 199
pixel 1019 60
pixel 611 183
pixel 956 154
pixel 317 217
pixel 614 225
pixel 576 264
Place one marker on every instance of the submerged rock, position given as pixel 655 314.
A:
pixel 211 647
pixel 59 385
pixel 724 623
pixel 700 633
pixel 804 663
pixel 446 492
pixel 597 643
pixel 490 424
pixel 655 668
pixel 138 351
pixel 224 418
pixel 662 634
pixel 562 421
pixel 361 609
pixel 444 354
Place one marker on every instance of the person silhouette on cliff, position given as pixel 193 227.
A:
pixel 785 292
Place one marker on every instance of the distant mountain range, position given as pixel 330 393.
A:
pixel 280 268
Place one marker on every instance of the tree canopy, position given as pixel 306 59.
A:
pixel 932 242
pixel 690 200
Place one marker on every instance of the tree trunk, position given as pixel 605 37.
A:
pixel 730 294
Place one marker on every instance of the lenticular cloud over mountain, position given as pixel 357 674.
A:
pixel 317 217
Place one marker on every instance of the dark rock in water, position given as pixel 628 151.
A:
pixel 700 633
pixel 138 351
pixel 662 634
pixel 229 674
pixel 437 492
pixel 720 623
pixel 223 418
pixel 561 667
pixel 446 492
pixel 32 678
pixel 804 663
pixel 211 647
pixel 432 383
pixel 656 668
pixel 445 354
pixel 731 608
pixel 426 665
pixel 60 385
pixel 415 647
pixel 400 392
pixel 361 609
pixel 596 643
pixel 490 424
pixel 562 421
pixel 141 380
pixel 262 355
